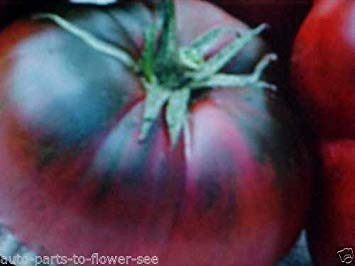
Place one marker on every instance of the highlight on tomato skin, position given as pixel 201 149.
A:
pixel 77 179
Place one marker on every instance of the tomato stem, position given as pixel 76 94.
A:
pixel 217 62
pixel 167 52
pixel 90 39
pixel 235 81
pixel 148 62
pixel 170 73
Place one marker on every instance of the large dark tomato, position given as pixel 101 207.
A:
pixel 283 16
pixel 323 68
pixel 333 223
pixel 76 179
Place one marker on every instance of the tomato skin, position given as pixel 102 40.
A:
pixel 323 68
pixel 323 74
pixel 75 179
pixel 333 226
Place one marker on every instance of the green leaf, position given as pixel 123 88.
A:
pixel 90 39
pixel 224 80
pixel 176 112
pixel 241 80
pixel 155 99
pixel 229 80
pixel 190 58
pixel 205 42
pixel 217 62
pixel 263 64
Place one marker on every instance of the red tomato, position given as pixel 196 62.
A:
pixel 323 71
pixel 323 68
pixel 333 221
pixel 75 178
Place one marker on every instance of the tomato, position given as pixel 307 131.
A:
pixel 323 68
pixel 333 226
pixel 78 178
pixel 283 16
pixel 323 72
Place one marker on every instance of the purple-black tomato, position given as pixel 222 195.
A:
pixel 76 179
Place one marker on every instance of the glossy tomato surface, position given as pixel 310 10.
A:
pixel 333 223
pixel 76 180
pixel 323 68
pixel 323 72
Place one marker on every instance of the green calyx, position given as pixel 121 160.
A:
pixel 170 73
